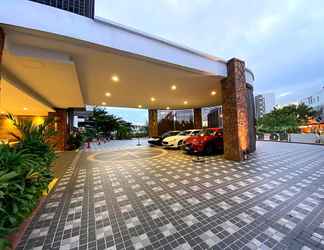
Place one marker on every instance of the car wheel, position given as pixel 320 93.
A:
pixel 180 143
pixel 209 149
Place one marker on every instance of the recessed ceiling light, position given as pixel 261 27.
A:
pixel 167 108
pixel 140 106
pixel 103 103
pixel 115 78
pixel 152 99
pixel 173 87
pixel 213 92
pixel 185 102
pixel 108 94
pixel 25 108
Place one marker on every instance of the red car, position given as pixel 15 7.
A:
pixel 208 141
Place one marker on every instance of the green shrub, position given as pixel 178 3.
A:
pixel 76 140
pixel 25 172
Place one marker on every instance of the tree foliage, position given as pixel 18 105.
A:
pixel 105 123
pixel 285 119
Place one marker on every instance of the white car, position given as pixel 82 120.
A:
pixel 177 141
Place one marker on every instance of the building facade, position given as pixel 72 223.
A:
pixel 264 103
pixel 316 101
pixel 80 7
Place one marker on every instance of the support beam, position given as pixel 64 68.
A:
pixel 197 118
pixel 235 111
pixel 153 123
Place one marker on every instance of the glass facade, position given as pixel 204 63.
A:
pixel 175 120
pixel 212 117
pixel 80 7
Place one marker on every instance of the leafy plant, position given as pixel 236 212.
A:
pixel 35 139
pixel 25 172
pixel 76 140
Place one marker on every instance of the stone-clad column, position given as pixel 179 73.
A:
pixel 235 111
pixel 61 126
pixel 2 41
pixel 153 123
pixel 197 118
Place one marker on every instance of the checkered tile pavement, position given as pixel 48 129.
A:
pixel 274 200
pixel 116 145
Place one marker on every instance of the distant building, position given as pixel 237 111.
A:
pixel 315 101
pixel 264 103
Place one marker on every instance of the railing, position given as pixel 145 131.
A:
pixel 309 138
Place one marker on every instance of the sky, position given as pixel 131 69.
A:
pixel 282 42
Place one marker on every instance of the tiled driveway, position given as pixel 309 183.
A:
pixel 155 199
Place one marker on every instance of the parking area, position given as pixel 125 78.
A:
pixel 151 198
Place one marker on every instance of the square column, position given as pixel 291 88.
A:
pixel 2 41
pixel 235 111
pixel 252 118
pixel 153 123
pixel 61 126
pixel 197 118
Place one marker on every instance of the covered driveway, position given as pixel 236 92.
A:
pixel 67 61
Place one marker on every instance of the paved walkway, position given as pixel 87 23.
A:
pixel 156 199
pixel 117 145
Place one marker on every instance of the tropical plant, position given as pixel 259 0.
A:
pixel 35 139
pixel 25 172
pixel 23 178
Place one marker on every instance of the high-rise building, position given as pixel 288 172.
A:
pixel 315 101
pixel 264 103
pixel 80 7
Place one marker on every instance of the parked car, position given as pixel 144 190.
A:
pixel 208 141
pixel 177 141
pixel 157 141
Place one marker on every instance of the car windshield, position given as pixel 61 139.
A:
pixel 169 133
pixel 196 132
pixel 206 132
pixel 184 133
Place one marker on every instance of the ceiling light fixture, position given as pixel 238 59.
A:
pixel 167 108
pixel 115 78
pixel 152 99
pixel 185 102
pixel 108 94
pixel 25 108
pixel 140 106
pixel 103 103
pixel 173 87
pixel 213 92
